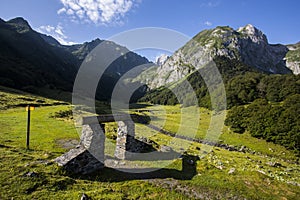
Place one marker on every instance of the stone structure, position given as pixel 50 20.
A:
pixel 89 156
pixel 125 139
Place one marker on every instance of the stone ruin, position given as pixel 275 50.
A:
pixel 89 155
pixel 81 160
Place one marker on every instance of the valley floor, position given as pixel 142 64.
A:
pixel 260 170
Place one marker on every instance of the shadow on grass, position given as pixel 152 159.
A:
pixel 107 174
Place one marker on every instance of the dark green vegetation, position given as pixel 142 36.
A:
pixel 27 61
pixel 277 123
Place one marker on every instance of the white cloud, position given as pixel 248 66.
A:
pixel 56 32
pixel 98 11
pixel 208 23
pixel 210 4
pixel 48 28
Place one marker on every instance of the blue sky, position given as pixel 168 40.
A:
pixel 77 21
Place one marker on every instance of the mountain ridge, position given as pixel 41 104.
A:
pixel 247 44
pixel 29 59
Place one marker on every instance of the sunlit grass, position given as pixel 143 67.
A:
pixel 253 177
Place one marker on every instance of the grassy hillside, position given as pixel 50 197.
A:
pixel 31 174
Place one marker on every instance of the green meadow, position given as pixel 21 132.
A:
pixel 264 171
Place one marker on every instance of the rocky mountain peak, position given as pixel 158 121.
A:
pixel 248 29
pixel 247 45
pixel 253 33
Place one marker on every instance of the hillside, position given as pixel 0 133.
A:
pixel 26 60
pixel 32 61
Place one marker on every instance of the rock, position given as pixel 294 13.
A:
pixel 293 183
pixel 79 161
pixel 289 170
pixel 198 148
pixel 231 171
pixel 30 174
pixel 125 140
pixel 231 148
pixel 294 66
pixel 84 197
pixel 219 167
pixel 161 59
pixel 274 164
pixel 122 163
pixel 262 172
pixel 243 149
pixel 164 148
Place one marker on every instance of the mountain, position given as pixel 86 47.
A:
pixel 30 60
pixel 247 45
pixel 250 67
pixel 27 60
pixel 82 50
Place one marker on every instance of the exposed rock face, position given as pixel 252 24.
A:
pixel 162 59
pixel 294 66
pixel 293 58
pixel 246 44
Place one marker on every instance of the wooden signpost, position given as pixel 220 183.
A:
pixel 28 109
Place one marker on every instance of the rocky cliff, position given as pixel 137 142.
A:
pixel 293 58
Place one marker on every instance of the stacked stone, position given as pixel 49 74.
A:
pixel 125 139
pixel 88 156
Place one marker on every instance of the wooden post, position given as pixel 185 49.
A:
pixel 28 127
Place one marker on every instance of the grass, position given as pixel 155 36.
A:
pixel 253 177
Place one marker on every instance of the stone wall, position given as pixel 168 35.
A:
pixel 88 156
pixel 93 139
pixel 125 139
